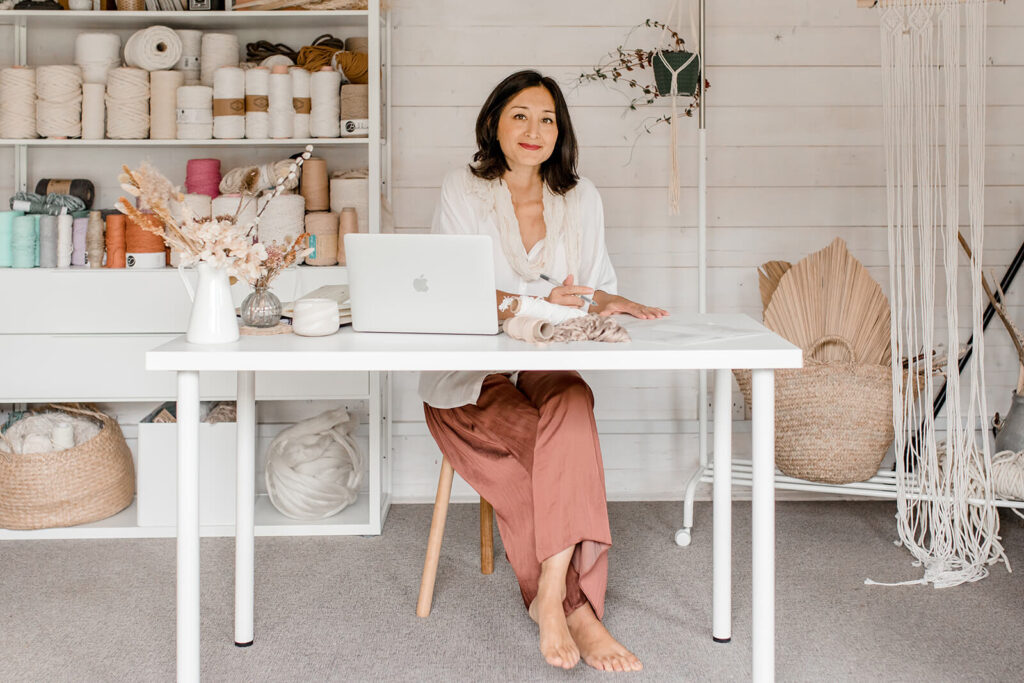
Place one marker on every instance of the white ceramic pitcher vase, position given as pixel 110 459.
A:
pixel 212 320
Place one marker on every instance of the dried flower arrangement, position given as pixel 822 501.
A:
pixel 622 65
pixel 220 241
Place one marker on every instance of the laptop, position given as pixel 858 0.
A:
pixel 422 283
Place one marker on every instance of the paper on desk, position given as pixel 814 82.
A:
pixel 684 334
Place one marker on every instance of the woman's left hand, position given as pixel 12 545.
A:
pixel 619 304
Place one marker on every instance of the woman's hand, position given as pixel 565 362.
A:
pixel 567 294
pixel 620 304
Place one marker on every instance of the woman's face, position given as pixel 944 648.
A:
pixel 527 130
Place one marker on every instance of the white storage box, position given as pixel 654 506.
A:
pixel 157 474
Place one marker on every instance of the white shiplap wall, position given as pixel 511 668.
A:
pixel 794 128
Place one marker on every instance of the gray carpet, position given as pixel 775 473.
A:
pixel 342 609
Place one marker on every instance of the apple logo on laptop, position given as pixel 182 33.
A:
pixel 420 284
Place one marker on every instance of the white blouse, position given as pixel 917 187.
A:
pixel 473 206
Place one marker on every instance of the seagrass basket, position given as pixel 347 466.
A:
pixel 91 481
pixel 833 420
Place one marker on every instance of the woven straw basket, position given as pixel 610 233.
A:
pixel 91 481
pixel 833 420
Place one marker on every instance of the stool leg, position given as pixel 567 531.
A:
pixel 486 537
pixel 444 493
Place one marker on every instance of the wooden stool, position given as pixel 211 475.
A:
pixel 444 493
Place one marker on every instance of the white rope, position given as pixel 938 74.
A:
pixel 59 101
pixel 953 539
pixel 127 103
pixel 17 103
pixel 153 49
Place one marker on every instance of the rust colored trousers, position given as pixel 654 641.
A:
pixel 532 451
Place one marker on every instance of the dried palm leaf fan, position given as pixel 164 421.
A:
pixel 768 277
pixel 830 293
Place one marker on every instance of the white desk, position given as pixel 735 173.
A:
pixel 682 342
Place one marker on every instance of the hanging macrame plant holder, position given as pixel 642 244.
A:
pixel 685 66
pixel 676 73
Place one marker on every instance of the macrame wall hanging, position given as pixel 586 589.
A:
pixel 933 76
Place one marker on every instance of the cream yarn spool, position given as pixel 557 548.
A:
pixel 59 101
pixel 322 228
pixel 217 50
pixel 128 104
pixel 195 112
pixel 96 54
pixel 154 48
pixel 352 189
pixel 163 104
pixel 95 240
pixel 191 48
pixel 315 468
pixel 348 223
pixel 282 114
pixel 243 208
pixel 355 101
pixel 315 317
pixel 325 116
pixel 17 103
pixel 301 101
pixel 229 103
pixel 65 222
pixel 257 103
pixel 282 218
pixel 93 111
pixel 268 176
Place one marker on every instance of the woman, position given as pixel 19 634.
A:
pixel 529 444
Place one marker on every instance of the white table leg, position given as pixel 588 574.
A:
pixel 188 526
pixel 245 503
pixel 721 596
pixel 763 525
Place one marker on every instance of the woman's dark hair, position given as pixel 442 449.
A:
pixel 559 170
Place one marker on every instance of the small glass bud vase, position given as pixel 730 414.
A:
pixel 261 308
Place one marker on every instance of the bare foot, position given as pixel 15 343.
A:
pixel 557 646
pixel 596 645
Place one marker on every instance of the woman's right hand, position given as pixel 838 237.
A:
pixel 567 294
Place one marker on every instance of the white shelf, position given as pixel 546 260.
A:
pixel 200 20
pixel 290 142
pixel 353 520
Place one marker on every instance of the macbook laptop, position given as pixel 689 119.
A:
pixel 421 283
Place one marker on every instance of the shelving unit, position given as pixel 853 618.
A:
pixel 89 328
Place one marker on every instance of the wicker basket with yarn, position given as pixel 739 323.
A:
pixel 833 419
pixel 88 482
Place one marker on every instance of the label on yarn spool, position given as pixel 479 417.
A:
pixel 257 103
pixel 55 186
pixel 311 242
pixel 355 128
pixel 229 107
pixel 141 260
pixel 189 62
pixel 195 116
pixel 302 105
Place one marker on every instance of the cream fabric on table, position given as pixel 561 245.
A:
pixel 472 206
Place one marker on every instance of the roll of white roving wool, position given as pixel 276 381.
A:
pixel 301 101
pixel 191 48
pixel 127 104
pixel 59 101
pixel 97 54
pixel 163 104
pixel 229 103
pixel 93 111
pixel 153 48
pixel 257 103
pixel 325 93
pixel 195 112
pixel 283 219
pixel 17 103
pixel 218 49
pixel 282 114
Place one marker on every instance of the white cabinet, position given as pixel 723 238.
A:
pixel 80 334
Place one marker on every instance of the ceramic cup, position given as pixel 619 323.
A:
pixel 315 317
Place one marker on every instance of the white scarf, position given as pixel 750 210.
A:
pixel 561 223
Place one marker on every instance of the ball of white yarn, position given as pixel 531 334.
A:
pixel 276 60
pixel 314 468
pixel 268 175
pixel 153 48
